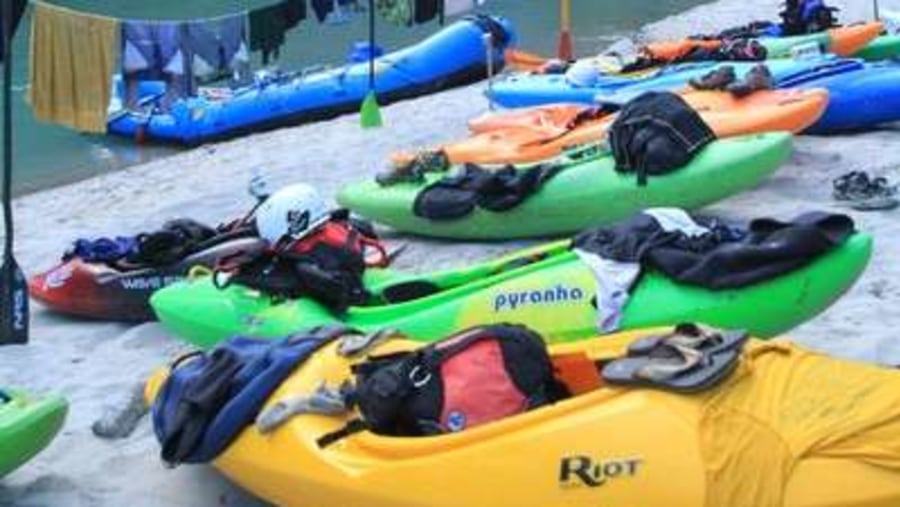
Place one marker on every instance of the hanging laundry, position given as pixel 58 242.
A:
pixel 458 7
pixel 151 50
pixel 335 11
pixel 397 12
pixel 18 8
pixel 217 45
pixel 268 26
pixel 426 10
pixel 72 62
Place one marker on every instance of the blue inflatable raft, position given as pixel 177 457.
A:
pixel 862 95
pixel 455 56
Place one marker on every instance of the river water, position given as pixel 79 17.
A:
pixel 47 155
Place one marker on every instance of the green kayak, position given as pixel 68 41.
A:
pixel 27 425
pixel 844 41
pixel 546 288
pixel 882 48
pixel 585 194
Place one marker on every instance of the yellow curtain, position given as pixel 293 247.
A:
pixel 73 58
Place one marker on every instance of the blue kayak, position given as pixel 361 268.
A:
pixel 862 95
pixel 454 56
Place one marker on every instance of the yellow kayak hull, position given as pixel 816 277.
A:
pixel 609 447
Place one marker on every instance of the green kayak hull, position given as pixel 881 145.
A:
pixel 882 48
pixel 546 288
pixel 27 425
pixel 586 194
pixel 781 47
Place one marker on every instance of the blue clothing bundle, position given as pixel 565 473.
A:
pixel 103 249
pixel 210 398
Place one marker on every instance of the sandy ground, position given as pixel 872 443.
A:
pixel 98 365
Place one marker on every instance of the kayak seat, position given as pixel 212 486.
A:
pixel 408 291
pixel 218 239
pixel 417 289
pixel 123 265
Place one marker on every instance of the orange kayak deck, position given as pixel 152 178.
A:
pixel 848 40
pixel 537 134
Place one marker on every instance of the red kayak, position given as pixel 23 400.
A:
pixel 121 292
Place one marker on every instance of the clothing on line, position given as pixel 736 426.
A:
pixel 268 26
pixel 72 60
pixel 459 7
pixel 17 9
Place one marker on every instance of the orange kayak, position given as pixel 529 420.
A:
pixel 532 135
pixel 843 41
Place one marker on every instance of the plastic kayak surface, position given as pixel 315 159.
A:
pixel 97 290
pixel 584 194
pixel 27 426
pixel 546 288
pixel 603 446
pixel 537 134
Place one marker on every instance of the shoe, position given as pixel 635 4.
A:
pixel 864 193
pixel 718 79
pixel 758 78
pixel 414 169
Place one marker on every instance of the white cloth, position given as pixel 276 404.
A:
pixel 676 220
pixel 614 280
pixel 458 7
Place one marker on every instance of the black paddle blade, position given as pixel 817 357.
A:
pixel 14 316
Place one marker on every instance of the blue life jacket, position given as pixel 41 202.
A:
pixel 210 397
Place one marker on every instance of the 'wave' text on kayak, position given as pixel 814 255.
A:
pixel 149 282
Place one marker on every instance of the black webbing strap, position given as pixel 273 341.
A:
pixel 351 428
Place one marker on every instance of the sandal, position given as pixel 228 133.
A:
pixel 717 79
pixel 708 340
pixel 414 169
pixel 865 193
pixel 673 368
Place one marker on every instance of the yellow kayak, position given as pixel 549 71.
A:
pixel 788 427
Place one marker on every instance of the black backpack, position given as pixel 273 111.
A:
pixel 655 134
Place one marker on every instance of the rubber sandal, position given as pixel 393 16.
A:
pixel 861 192
pixel 693 371
pixel 693 336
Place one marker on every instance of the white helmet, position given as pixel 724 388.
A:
pixel 292 212
pixel 583 74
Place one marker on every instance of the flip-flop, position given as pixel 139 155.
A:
pixel 693 336
pixel 352 345
pixel 695 371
